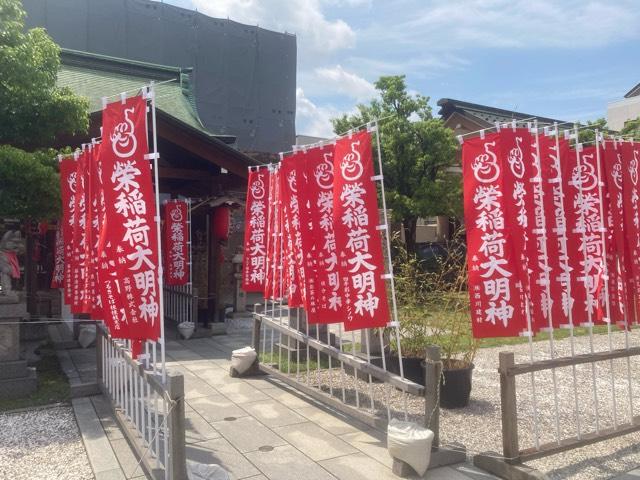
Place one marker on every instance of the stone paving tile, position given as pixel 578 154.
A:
pixel 241 392
pixel 196 387
pixel 262 382
pixel 371 443
pixel 358 467
pixel 215 408
pixel 221 452
pixel 287 463
pixel 334 422
pixel 289 399
pixel 315 442
pixel 183 355
pixel 126 458
pixel 109 424
pixel 216 376
pixel 197 428
pixel 199 366
pixel 100 455
pixel 273 414
pixel 247 434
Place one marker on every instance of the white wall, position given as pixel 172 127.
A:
pixel 621 111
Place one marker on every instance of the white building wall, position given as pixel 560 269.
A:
pixel 621 111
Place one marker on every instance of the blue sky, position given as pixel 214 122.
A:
pixel 564 59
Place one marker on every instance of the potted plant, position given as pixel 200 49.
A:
pixel 434 309
pixel 451 331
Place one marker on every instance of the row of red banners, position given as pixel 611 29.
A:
pixel 107 256
pixel 312 234
pixel 553 232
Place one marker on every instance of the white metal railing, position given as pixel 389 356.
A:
pixel 181 303
pixel 150 412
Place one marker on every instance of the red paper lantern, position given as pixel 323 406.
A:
pixel 220 223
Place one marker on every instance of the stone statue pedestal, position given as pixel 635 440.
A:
pixel 16 378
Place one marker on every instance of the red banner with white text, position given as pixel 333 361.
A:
pixel 176 238
pixel 357 238
pixel 495 288
pixel 327 305
pixel 254 260
pixel 79 266
pixel 128 244
pixel 57 279
pixel 292 243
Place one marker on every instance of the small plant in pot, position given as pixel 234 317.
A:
pixel 451 331
pixel 434 309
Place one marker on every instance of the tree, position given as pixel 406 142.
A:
pixel 33 112
pixel 632 127
pixel 19 169
pixel 589 134
pixel 418 153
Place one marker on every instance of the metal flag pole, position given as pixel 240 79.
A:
pixel 589 298
pixel 605 276
pixel 194 308
pixel 626 312
pixel 395 324
pixel 562 232
pixel 156 155
pixel 545 280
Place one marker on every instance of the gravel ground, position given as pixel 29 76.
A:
pixel 42 444
pixel 478 426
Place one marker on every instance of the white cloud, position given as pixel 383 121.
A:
pixel 338 80
pixel 312 119
pixel 447 25
pixel 305 18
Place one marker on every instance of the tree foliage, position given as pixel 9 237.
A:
pixel 418 152
pixel 32 109
pixel 632 127
pixel 29 185
pixel 33 112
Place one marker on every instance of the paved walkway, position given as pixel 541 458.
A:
pixel 109 453
pixel 257 428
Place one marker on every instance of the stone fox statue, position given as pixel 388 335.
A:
pixel 11 245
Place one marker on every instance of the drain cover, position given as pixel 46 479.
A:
pixel 230 419
pixel 265 448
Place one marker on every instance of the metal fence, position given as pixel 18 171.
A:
pixel 150 412
pixel 181 303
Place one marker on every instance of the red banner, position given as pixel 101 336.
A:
pixel 254 260
pixel 67 190
pixel 586 222
pixel 562 254
pixel 273 286
pixel 357 238
pixel 97 219
pixel 630 157
pixel 326 302
pixel 494 284
pixel 518 155
pixel 128 245
pixel 79 266
pixel 620 268
pixel 57 278
pixel 176 238
pixel 293 254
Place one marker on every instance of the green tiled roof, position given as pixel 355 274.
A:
pixel 96 76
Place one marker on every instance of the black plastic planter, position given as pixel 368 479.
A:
pixel 413 369
pixel 455 388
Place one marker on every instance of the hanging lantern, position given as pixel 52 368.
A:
pixel 220 222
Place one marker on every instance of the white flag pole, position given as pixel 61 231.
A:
pixel 156 155
pixel 589 297
pixel 605 276
pixel 545 278
pixel 565 275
